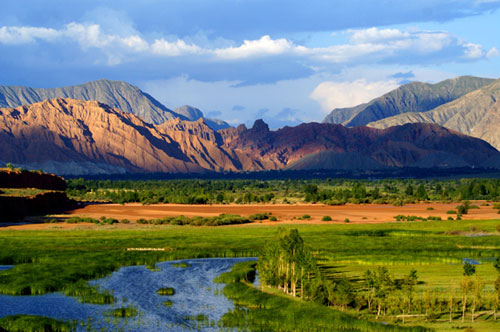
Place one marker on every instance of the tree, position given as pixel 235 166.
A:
pixel 422 193
pixel 408 286
pixel 469 269
pixel 381 284
pixel 466 286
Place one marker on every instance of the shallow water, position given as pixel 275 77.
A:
pixel 195 294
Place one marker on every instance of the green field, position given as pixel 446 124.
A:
pixel 435 249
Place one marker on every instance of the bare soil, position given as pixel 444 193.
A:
pixel 364 213
pixel 285 213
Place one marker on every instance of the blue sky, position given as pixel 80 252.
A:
pixel 284 61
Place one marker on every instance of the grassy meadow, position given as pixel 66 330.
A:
pixel 435 249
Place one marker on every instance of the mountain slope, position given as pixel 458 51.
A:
pixel 193 114
pixel 121 95
pixel 67 136
pixel 476 114
pixel 411 145
pixel 412 97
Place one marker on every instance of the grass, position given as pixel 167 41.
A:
pixel 21 192
pixel 166 291
pixel 29 323
pixel 260 311
pixel 436 249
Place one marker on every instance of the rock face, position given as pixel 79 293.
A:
pixel 476 114
pixel 26 179
pixel 192 114
pixel 67 136
pixel 117 94
pixel 330 146
pixel 13 208
pixel 121 95
pixel 412 97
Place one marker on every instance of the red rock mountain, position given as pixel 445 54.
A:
pixel 67 136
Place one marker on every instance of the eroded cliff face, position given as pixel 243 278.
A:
pixel 13 208
pixel 73 135
pixel 26 179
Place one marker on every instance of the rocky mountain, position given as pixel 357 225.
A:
pixel 412 97
pixel 67 136
pixel 476 114
pixel 118 94
pixel 193 114
pixel 331 146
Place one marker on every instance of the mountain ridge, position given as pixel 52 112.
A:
pixel 411 97
pixel 474 114
pixel 68 136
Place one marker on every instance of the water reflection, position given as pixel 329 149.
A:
pixel 196 295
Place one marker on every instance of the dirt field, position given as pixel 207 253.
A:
pixel 285 213
pixel 370 213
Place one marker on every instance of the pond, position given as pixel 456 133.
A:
pixel 196 295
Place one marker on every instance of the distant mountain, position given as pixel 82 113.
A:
pixel 193 114
pixel 476 114
pixel 118 94
pixel 121 95
pixel 412 97
pixel 68 136
pixel 331 146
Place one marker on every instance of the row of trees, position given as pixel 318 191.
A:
pixel 286 264
pixel 329 191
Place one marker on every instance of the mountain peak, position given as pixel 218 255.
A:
pixel 260 126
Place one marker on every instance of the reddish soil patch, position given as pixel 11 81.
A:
pixel 369 213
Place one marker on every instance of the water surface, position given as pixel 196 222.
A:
pixel 195 294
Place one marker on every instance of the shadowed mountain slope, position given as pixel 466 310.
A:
pixel 412 97
pixel 68 136
pixel 476 114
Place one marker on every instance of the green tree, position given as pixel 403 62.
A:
pixel 469 269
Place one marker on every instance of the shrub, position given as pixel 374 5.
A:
pixel 430 208
pixel 326 218
pixel 450 218
pixel 272 218
pixel 346 220
pixel 166 291
pixel 125 221
pixel 451 212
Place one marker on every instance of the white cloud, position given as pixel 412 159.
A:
pixel 24 35
pixel 261 47
pixel 363 46
pixel 492 53
pixel 179 47
pixel 332 95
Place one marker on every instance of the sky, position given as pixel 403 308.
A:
pixel 284 61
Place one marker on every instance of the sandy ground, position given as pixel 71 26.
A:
pixel 285 213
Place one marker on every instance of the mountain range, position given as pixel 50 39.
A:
pixel 118 94
pixel 69 136
pixel 466 104
pixel 411 97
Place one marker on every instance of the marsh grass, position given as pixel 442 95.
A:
pixel 260 311
pixel 31 323
pixel 166 291
pixel 64 260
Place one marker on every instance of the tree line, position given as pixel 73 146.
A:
pixel 288 265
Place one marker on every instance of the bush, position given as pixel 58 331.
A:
pixel 326 218
pixel 451 212
pixel 346 220
pixel 430 209
pixel 272 218
pixel 166 291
